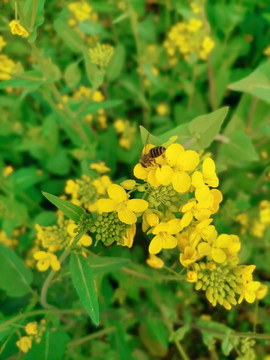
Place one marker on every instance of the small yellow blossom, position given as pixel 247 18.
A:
pixel 266 51
pixel 164 238
pixel 7 67
pixel 31 328
pixel 45 260
pixel 162 109
pixel 24 344
pixel 155 262
pixel 7 170
pixel 192 276
pixel 189 256
pixel 80 9
pixel 119 201
pixel 2 43
pixel 17 29
pixel 100 167
pixel 129 237
pixel 119 125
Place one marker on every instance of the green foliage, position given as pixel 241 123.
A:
pixel 84 283
pixel 17 279
pixel 61 114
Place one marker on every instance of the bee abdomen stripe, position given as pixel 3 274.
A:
pixel 157 151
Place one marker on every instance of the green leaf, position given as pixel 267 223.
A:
pixel 93 107
pixel 106 264
pixel 52 346
pixel 24 178
pixel 180 333
pixel 84 283
pixel 90 28
pixel 239 150
pixel 204 128
pixel 228 343
pixel 116 64
pixel 256 84
pixel 72 211
pixel 67 34
pixel 149 138
pixel 15 277
pixel 72 75
pixel 38 16
pixel 58 163
pixel 32 79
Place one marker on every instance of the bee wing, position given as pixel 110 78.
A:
pixel 145 144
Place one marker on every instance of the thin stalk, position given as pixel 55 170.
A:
pixel 211 84
pixel 39 312
pixel 33 16
pixel 90 337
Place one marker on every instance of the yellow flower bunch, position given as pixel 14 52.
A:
pixel 181 193
pixel 7 65
pixel 86 191
pixel 54 238
pixel 101 55
pixel 34 332
pixel 126 132
pixel 17 29
pixel 81 11
pixel 188 38
pixel 8 242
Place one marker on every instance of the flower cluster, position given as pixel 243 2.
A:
pixel 7 65
pixel 180 189
pixel 126 132
pixel 86 191
pixel 12 241
pixel 101 55
pixel 33 332
pixel 189 38
pixel 17 29
pixel 54 238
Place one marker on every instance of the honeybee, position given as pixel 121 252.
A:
pixel 148 158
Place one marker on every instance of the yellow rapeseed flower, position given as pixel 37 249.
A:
pixel 119 201
pixel 164 238
pixel 100 167
pixel 31 328
pixel 155 262
pixel 24 344
pixel 46 260
pixel 17 29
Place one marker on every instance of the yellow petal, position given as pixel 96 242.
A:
pixel 204 249
pixel 197 179
pixel 174 226
pixel 137 205
pixel 40 255
pixel 117 193
pixel 43 265
pixel 174 153
pixel 181 182
pixel 204 196
pixel 140 172
pixel 186 219
pixel 151 178
pixel 190 161
pixel 85 240
pixel 218 255
pixel 250 296
pixel 164 174
pixel 106 205
pixel 155 245
pixel 127 216
pixel 223 241
pixel 169 242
